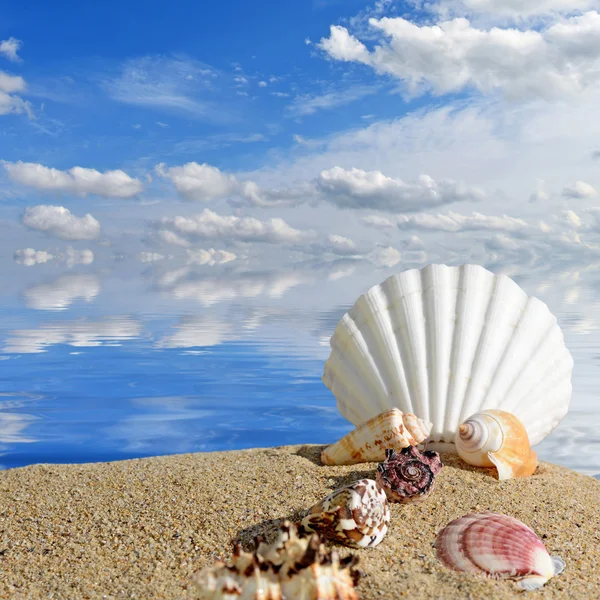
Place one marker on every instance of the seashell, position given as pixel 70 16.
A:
pixel 368 443
pixel 290 567
pixel 446 342
pixel 495 438
pixel 356 515
pixel 409 475
pixel 498 546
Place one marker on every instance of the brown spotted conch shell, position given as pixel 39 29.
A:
pixel 496 438
pixel 356 515
pixel 368 443
pixel 497 546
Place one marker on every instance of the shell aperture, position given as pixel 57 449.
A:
pixel 356 515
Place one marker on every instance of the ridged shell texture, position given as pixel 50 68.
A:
pixel 446 342
pixel 497 546
pixel 390 430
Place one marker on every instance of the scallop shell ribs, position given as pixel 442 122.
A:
pixel 497 546
pixel 368 443
pixel 356 515
pixel 291 567
pixel 446 342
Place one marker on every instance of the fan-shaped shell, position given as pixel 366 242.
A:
pixel 290 567
pixel 498 546
pixel 356 515
pixel 446 342
pixel 368 443
pixel 495 438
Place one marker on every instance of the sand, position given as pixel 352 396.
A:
pixel 140 528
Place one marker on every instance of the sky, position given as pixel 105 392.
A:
pixel 268 133
pixel 190 174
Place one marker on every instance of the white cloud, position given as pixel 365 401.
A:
pixel 10 48
pixel 199 182
pixel 30 257
pixel 457 222
pixel 355 188
pixel 10 102
pixel 81 333
pixel 58 221
pixel 514 8
pixel 210 257
pixel 572 218
pixel 62 292
pixel 561 60
pixel 210 225
pixel 262 84
pixel 171 84
pixel 309 104
pixel 146 257
pixel 205 182
pixel 78 180
pixel 580 189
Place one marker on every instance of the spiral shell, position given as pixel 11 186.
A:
pixel 356 515
pixel 497 546
pixel 495 438
pixel 409 475
pixel 367 443
pixel 290 567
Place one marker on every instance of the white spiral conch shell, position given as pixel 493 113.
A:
pixel 356 515
pixel 495 438
pixel 390 430
pixel 290 567
pixel 498 546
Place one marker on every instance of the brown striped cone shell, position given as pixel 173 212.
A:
pixel 497 546
pixel 409 475
pixel 368 442
pixel 496 438
pixel 290 567
pixel 356 515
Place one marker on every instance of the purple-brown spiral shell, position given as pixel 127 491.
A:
pixel 409 475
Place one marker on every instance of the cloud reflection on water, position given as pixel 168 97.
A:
pixel 188 318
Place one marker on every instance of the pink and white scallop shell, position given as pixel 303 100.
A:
pixel 498 546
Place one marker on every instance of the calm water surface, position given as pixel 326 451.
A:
pixel 114 363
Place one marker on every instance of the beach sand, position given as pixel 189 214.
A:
pixel 140 528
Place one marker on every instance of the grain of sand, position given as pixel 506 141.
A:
pixel 140 528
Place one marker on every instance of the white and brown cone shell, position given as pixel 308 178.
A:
pixel 291 567
pixel 356 515
pixel 368 442
pixel 409 475
pixel 498 546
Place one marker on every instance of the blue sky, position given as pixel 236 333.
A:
pixel 186 176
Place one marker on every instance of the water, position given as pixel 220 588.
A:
pixel 107 364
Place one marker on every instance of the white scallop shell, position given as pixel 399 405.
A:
pixel 447 342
